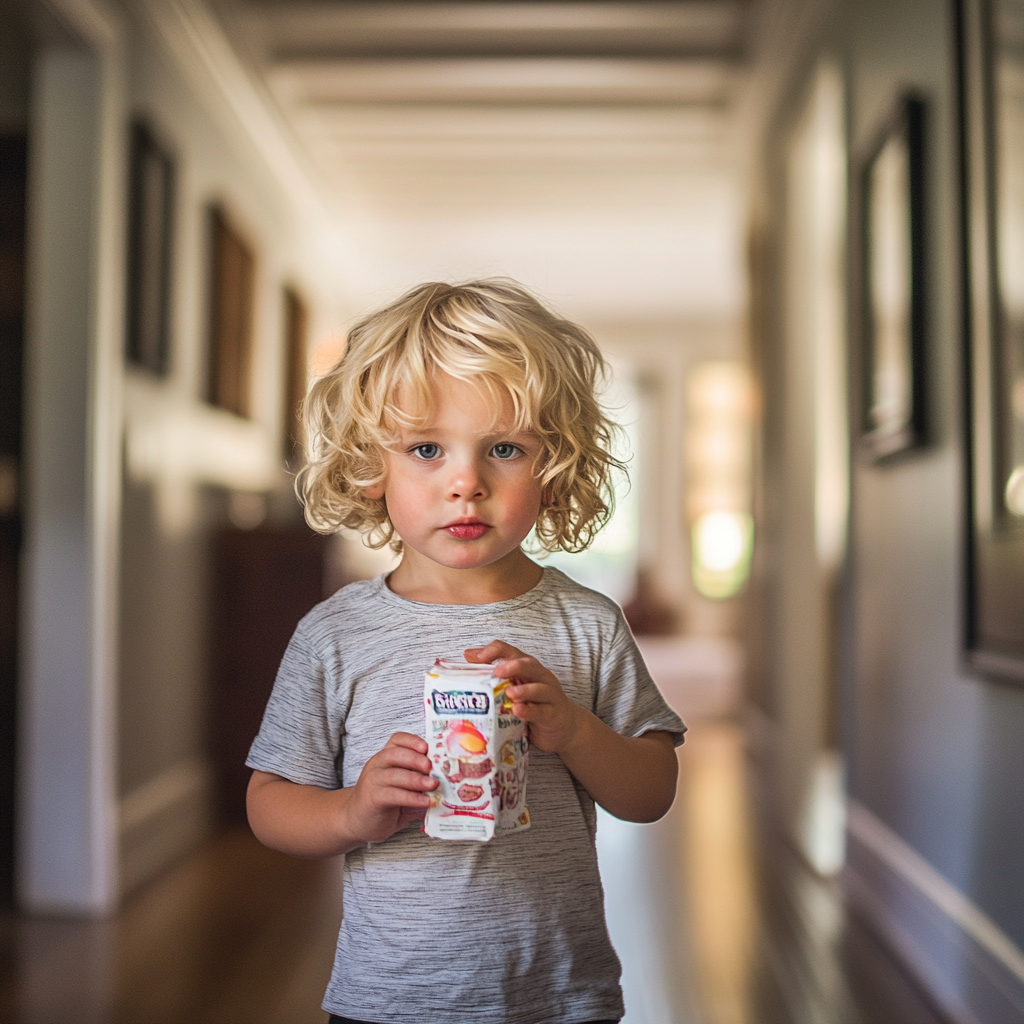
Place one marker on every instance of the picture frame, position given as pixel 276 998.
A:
pixel 151 210
pixel 232 293
pixel 991 82
pixel 893 281
pixel 295 322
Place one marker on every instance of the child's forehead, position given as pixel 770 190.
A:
pixel 443 397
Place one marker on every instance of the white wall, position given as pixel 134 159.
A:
pixel 114 777
pixel 183 455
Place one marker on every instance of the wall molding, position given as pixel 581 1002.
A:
pixel 962 957
pixel 163 819
pixel 192 35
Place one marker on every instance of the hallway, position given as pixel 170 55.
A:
pixel 715 918
pixel 795 229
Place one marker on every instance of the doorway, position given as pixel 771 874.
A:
pixel 13 163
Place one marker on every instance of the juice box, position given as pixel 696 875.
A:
pixel 478 750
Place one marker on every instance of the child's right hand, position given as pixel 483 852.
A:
pixel 392 790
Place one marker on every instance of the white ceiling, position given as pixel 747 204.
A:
pixel 584 148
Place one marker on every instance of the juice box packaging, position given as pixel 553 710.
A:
pixel 478 750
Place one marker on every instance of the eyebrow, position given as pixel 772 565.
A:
pixel 431 428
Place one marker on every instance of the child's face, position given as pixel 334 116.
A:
pixel 461 490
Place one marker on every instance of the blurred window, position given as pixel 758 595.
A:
pixel 718 474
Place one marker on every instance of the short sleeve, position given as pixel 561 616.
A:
pixel 628 699
pixel 299 738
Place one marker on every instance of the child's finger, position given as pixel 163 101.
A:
pixel 407 799
pixel 393 779
pixel 534 712
pixel 402 757
pixel 407 739
pixel 532 693
pixel 494 650
pixel 523 666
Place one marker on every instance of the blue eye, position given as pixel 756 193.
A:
pixel 427 452
pixel 505 451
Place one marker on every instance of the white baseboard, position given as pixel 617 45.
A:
pixel 971 967
pixel 163 819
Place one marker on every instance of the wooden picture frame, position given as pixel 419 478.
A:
pixel 232 288
pixel 894 311
pixel 150 228
pixel 296 352
pixel 991 82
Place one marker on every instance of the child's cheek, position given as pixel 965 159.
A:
pixel 526 510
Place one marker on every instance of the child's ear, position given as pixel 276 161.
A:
pixel 374 491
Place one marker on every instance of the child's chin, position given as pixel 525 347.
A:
pixel 472 556
pixel 469 561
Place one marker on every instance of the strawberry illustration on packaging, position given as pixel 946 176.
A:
pixel 479 749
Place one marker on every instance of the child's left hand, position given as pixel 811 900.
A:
pixel 632 777
pixel 536 694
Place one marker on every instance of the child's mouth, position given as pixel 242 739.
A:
pixel 467 531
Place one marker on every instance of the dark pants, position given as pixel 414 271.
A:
pixel 345 1020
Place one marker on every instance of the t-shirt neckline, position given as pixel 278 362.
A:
pixel 535 593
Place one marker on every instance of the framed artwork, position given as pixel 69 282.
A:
pixel 231 296
pixel 296 350
pixel 991 39
pixel 894 335
pixel 150 222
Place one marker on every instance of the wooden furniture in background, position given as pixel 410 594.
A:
pixel 232 293
pixel 265 581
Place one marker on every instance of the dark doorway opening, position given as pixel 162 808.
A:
pixel 265 580
pixel 13 162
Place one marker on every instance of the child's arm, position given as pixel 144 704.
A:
pixel 631 777
pixel 308 821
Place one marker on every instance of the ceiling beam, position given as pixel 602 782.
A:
pixel 504 81
pixel 470 123
pixel 285 31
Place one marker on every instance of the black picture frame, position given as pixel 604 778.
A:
pixel 150 228
pixel 991 67
pixel 893 349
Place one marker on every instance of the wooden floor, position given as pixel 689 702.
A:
pixel 716 921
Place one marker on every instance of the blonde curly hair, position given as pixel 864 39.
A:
pixel 496 336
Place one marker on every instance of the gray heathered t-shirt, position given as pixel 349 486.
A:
pixel 510 931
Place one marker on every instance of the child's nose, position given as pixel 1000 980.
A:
pixel 467 482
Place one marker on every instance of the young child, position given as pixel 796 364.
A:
pixel 459 419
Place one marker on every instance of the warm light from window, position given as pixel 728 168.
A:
pixel 720 539
pixel 718 476
pixel 721 552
